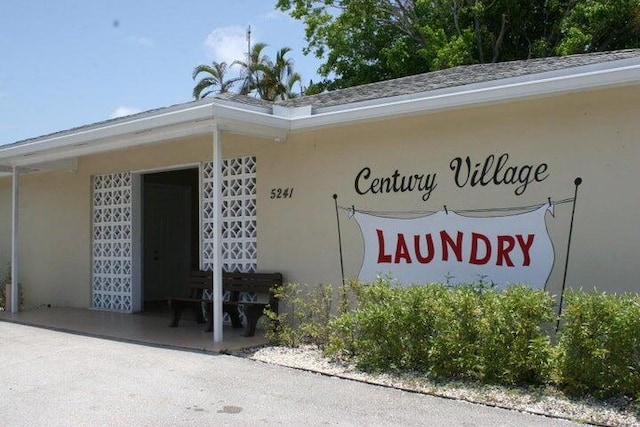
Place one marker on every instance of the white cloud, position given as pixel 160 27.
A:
pixel 122 111
pixel 275 14
pixel 141 41
pixel 227 44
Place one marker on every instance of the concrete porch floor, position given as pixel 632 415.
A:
pixel 150 327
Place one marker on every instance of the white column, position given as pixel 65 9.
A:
pixel 14 242
pixel 137 298
pixel 217 241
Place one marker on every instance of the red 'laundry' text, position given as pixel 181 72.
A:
pixel 424 248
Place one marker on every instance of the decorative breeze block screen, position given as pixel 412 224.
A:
pixel 239 233
pixel 239 220
pixel 112 253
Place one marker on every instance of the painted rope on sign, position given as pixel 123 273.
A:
pixel 452 248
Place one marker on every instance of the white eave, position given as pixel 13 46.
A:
pixel 142 129
pixel 590 77
pixel 276 123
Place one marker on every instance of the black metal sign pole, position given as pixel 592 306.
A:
pixel 335 201
pixel 577 183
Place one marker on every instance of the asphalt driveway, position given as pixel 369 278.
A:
pixel 50 378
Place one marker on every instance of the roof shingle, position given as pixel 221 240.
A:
pixel 452 77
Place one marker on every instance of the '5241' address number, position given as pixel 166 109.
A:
pixel 282 193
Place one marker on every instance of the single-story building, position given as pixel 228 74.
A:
pixel 454 175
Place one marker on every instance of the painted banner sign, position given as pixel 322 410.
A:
pixel 448 247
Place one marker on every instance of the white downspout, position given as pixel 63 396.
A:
pixel 217 240
pixel 14 241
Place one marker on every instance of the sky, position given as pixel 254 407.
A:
pixel 68 63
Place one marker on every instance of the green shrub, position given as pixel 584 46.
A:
pixel 466 332
pixel 423 307
pixel 3 284
pixel 456 340
pixel 301 318
pixel 471 332
pixel 492 336
pixel 375 321
pixel 4 281
pixel 516 348
pixel 599 347
pixel 389 328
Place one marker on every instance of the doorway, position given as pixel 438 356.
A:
pixel 170 240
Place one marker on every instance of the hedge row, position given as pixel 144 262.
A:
pixel 473 332
pixel 599 348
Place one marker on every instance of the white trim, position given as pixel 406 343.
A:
pixel 181 166
pixel 137 221
pixel 45 154
pixel 462 96
pixel 137 124
pixel 292 112
pixel 598 68
pixel 231 117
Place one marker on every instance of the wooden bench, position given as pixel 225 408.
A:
pixel 198 283
pixel 258 283
pixel 235 284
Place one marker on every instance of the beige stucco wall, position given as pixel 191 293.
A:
pixel 591 135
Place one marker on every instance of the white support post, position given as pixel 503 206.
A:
pixel 217 241
pixel 14 241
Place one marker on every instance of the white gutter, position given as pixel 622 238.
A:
pixel 117 128
pixel 235 114
pixel 173 124
pixel 466 97
pixel 141 138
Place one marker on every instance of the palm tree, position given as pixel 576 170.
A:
pixel 291 82
pixel 215 82
pixel 250 70
pixel 275 80
pixel 260 76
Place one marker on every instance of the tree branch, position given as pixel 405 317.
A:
pixel 476 28
pixel 404 11
pixel 499 40
pixel 455 11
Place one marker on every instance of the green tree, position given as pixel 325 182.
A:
pixel 214 82
pixel 268 79
pixel 259 76
pixel 276 80
pixel 600 25
pixel 363 41
pixel 250 73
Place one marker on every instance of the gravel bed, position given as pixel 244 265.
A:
pixel 537 400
